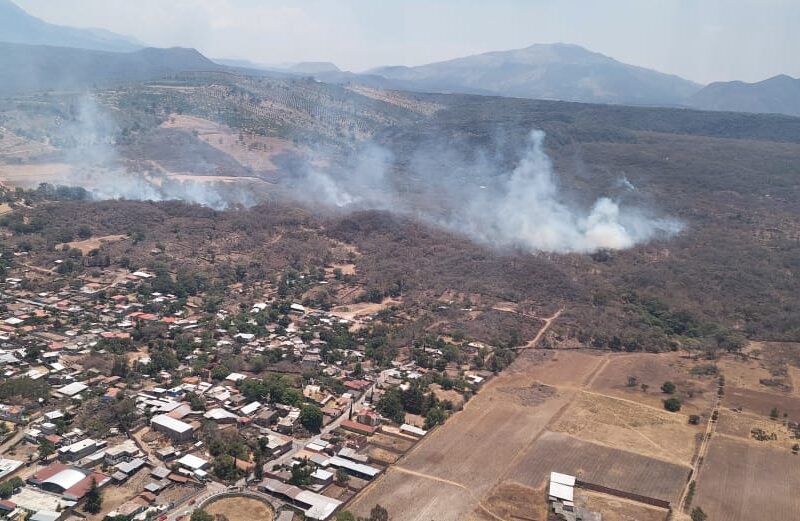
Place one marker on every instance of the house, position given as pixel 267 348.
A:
pixel 358 428
pixel 71 390
pixel 79 449
pixel 220 416
pixel 122 452
pixel 192 462
pixel 174 429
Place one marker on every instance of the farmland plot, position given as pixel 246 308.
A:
pixel 741 481
pixel 601 465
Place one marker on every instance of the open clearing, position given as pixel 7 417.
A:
pixel 601 465
pixel 92 244
pixel 241 509
pixel 761 402
pixel 740 481
pixel 252 151
pixel 351 311
pixel 741 424
pixel 617 509
pixel 626 425
pixel 30 175
pixel 653 371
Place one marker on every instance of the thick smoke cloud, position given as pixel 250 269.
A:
pixel 523 208
pixel 96 166
pixel 529 212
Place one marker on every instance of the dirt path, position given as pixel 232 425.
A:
pixel 711 426
pixel 547 323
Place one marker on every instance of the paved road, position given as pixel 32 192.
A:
pixel 298 445
pixel 185 509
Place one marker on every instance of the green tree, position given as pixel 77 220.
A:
pixel 436 416
pixel 311 418
pixel 94 500
pixel 342 476
pixel 668 387
pixel 378 513
pixel 698 514
pixel 201 515
pixel 672 404
pixel 391 405
pixel 46 448
pixel 301 473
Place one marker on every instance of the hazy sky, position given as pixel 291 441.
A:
pixel 702 40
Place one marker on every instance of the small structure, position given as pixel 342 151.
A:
pixel 175 429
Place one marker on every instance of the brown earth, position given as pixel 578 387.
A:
pixel 761 402
pixel 251 150
pixel 617 509
pixel 741 424
pixel 740 481
pixel 600 465
pixel 241 509
pixel 91 244
pixel 626 425
pixel 653 371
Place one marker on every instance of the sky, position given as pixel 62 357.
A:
pixel 701 40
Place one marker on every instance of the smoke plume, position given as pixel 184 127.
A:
pixel 523 208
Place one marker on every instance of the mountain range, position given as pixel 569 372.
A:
pixel 779 94
pixel 39 56
pixel 556 71
pixel 17 26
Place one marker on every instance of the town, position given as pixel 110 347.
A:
pixel 121 401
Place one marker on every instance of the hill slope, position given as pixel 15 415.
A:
pixel 17 26
pixel 779 94
pixel 28 68
pixel 557 71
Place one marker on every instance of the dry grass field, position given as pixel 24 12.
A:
pixel 601 465
pixel 30 175
pixel 91 244
pixel 761 402
pixel 653 371
pixel 252 151
pixel 740 481
pixel 741 424
pixel 618 509
pixel 630 426
pixel 241 509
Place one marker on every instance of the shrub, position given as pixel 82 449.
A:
pixel 672 404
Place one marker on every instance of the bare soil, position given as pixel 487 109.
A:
pixel 241 509
pixel 740 481
pixel 630 426
pixel 92 244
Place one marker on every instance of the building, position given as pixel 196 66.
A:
pixel 174 429
pixel 79 449
pixel 314 506
pixel 68 481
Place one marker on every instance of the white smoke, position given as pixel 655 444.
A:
pixel 528 212
pixel 525 209
pixel 96 166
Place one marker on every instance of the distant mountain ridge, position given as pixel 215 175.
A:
pixel 779 94
pixel 30 68
pixel 547 71
pixel 17 26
